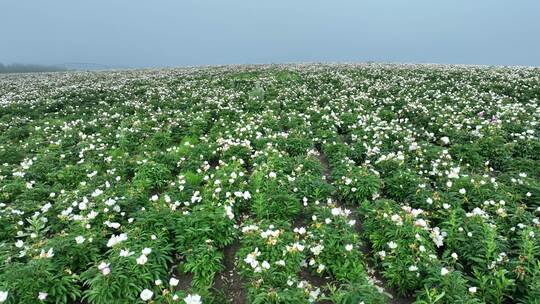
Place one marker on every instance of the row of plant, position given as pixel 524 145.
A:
pixel 127 187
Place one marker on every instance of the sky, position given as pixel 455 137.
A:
pixel 159 33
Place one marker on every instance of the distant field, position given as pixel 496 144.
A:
pixel 271 184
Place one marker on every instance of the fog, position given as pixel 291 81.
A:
pixel 121 33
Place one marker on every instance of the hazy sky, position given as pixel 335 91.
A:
pixel 198 32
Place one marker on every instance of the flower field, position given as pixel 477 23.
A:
pixel 271 184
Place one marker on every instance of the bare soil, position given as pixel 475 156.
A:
pixel 229 280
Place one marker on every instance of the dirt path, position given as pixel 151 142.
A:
pixel 229 280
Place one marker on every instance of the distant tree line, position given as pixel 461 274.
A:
pixel 29 68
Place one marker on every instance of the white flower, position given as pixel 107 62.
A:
pixel 265 265
pixel 228 212
pixel 46 255
pixel 3 296
pixel 193 299
pixel 445 140
pixel 462 191
pixel 104 268
pixel 115 239
pixel 420 223
pixel 272 175
pixel 314 294
pixel 472 289
pixel 146 251
pixel 397 219
pixel 444 271
pixel 19 244
pixel 97 192
pixel 146 294
pixel 83 206
pixel 126 253
pixel 413 268
pixel 42 296
pixel 437 236
pixel 300 230
pixel 173 282
pixel 280 263
pixel 349 247
pixel 454 255
pixel 392 245
pixel 336 211
pixel 113 225
pixel 454 173
pixel 80 239
pixel 141 260
pixel 251 258
pixel 317 249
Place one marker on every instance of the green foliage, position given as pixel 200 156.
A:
pixel 26 281
pixel 204 261
pixel 305 182
pixel 150 176
pixel 358 185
